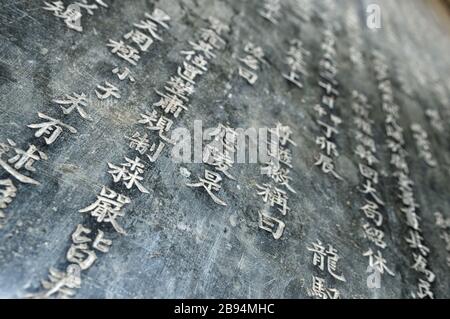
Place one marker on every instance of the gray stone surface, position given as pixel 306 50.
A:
pixel 179 243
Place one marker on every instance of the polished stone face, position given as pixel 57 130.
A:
pixel 193 241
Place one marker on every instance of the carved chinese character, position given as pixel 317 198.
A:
pixel 297 66
pixel 78 236
pixel 126 73
pixel 197 60
pixel 211 183
pixel 441 222
pixel 274 196
pixel 255 51
pixel 22 159
pixel 72 15
pixel 320 110
pixel 81 254
pixel 141 39
pixel 157 151
pixel 130 173
pixel 105 92
pixel 212 38
pixel 363 125
pixel 329 147
pixel 203 47
pixel 420 265
pixel 101 243
pixel 218 158
pixel 52 127
pixel 108 208
pixel 60 284
pixel 189 72
pixel 423 144
pixel 271 10
pixel 139 143
pixel 367 141
pixel 424 290
pixel 377 262
pixel 76 102
pixel 374 235
pixel 328 72
pixel 124 51
pixel 435 119
pixel 80 240
pixel 368 189
pixel 57 7
pixel 271 224
pixel 251 62
pixel 360 110
pixel 283 132
pixel 249 76
pixel 279 174
pixel 161 124
pixel 170 104
pixel 320 291
pixel 281 154
pixel 371 211
pixel 329 130
pixel 415 241
pixel 368 173
pixel 329 89
pixel 366 154
pixel 217 25
pixel 181 88
pixel 331 256
pixel 7 194
pixel 327 165
pixel 158 16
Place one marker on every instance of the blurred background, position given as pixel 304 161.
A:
pixel 442 10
